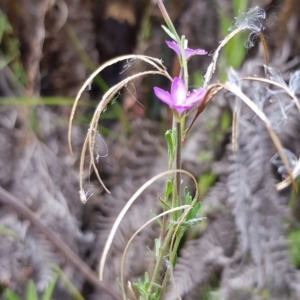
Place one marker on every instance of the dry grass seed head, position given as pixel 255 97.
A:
pixel 251 20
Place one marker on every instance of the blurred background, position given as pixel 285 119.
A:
pixel 249 246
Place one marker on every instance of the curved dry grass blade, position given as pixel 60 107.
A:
pixel 235 90
pixel 291 95
pixel 265 47
pixel 108 96
pixel 212 67
pixel 81 166
pixel 90 137
pixel 92 164
pixel 210 93
pixel 131 291
pixel 136 233
pixel 234 131
pixel 156 63
pixel 125 209
pixel 180 220
pixel 285 183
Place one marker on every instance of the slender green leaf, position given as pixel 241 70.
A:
pixel 168 32
pixel 31 293
pixel 225 121
pixel 187 197
pixel 68 284
pixel 157 247
pixel 7 232
pixel 169 188
pixel 154 215
pixel 294 247
pixel 225 23
pixel 49 290
pixel 170 142
pixel 239 6
pixel 174 261
pixel 10 295
pixel 164 203
pixel 193 212
pixel 206 181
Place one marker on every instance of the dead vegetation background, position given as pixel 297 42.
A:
pixel 244 251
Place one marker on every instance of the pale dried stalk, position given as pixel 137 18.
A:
pixel 285 183
pixel 90 137
pixel 235 90
pixel 212 67
pixel 234 131
pixel 156 63
pixel 125 209
pixel 292 96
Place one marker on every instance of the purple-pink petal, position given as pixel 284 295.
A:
pixel 179 99
pixel 173 45
pixel 178 91
pixel 195 96
pixel 188 52
pixel 191 52
pixel 163 96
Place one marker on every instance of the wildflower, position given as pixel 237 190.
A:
pixel 188 51
pixel 179 99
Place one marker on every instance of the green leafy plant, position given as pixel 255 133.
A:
pixel 31 292
pixel 294 247
pixel 180 209
pixel 142 286
pixel 10 53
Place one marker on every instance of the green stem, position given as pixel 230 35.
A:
pixel 178 162
pixel 177 179
pixel 164 284
pixel 159 261
pixel 175 248
pixel 183 63
pixel 167 19
pixel 164 225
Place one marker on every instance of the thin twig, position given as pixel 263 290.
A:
pixel 178 163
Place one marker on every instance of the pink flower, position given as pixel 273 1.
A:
pixel 188 52
pixel 179 99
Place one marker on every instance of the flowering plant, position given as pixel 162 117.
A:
pixel 179 99
pixel 187 51
pixel 180 207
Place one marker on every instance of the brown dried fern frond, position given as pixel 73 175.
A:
pixel 42 182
